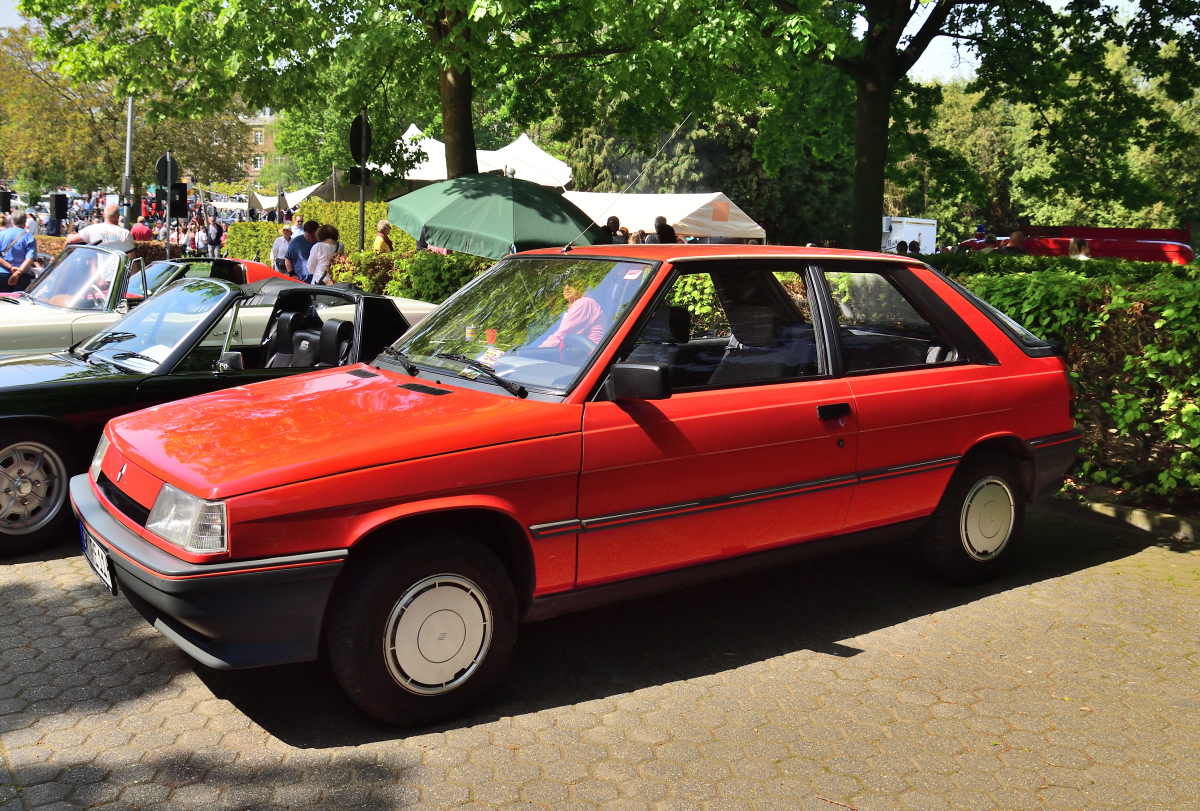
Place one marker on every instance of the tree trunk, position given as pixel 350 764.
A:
pixel 458 129
pixel 872 116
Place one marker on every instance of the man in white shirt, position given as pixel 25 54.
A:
pixel 109 233
pixel 279 248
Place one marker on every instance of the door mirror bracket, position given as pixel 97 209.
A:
pixel 229 362
pixel 638 381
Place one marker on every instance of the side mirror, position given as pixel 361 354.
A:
pixel 639 381
pixel 123 306
pixel 229 362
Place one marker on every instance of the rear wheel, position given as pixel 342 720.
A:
pixel 978 522
pixel 35 471
pixel 423 632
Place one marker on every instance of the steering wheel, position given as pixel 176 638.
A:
pixel 577 341
pixel 100 294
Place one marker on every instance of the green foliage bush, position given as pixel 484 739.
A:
pixel 251 240
pixel 415 274
pixel 344 217
pixel 1133 350
pixel 973 262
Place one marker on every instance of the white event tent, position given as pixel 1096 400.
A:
pixel 522 156
pixel 694 215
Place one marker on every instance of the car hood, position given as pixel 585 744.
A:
pixel 32 370
pixel 320 424
pixel 19 315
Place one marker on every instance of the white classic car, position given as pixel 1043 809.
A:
pixel 88 287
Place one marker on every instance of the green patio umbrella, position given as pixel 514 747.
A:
pixel 491 215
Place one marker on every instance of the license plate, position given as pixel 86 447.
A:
pixel 98 558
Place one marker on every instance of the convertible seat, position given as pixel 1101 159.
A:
pixel 661 341
pixel 336 337
pixel 279 348
pixel 305 345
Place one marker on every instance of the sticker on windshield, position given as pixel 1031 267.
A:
pixel 469 373
pixel 489 356
pixel 635 273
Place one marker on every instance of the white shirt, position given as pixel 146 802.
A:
pixel 318 262
pixel 201 239
pixel 278 249
pixel 108 235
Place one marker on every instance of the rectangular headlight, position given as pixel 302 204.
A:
pixel 188 522
pixel 98 458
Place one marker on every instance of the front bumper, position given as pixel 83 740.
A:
pixel 1052 458
pixel 226 615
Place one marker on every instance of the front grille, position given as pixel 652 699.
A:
pixel 129 508
pixel 417 387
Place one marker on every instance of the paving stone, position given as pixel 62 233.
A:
pixel 850 681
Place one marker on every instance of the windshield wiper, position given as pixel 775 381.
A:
pixel 134 356
pixel 515 388
pixel 105 340
pixel 398 356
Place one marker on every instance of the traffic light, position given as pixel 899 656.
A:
pixel 179 200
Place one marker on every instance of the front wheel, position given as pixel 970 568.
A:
pixel 423 632
pixel 978 522
pixel 35 470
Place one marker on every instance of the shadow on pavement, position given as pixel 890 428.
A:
pixel 66 546
pixel 815 605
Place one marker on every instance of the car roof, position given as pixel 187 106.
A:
pixel 677 252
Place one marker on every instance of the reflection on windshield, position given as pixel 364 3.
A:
pixel 537 322
pixel 156 327
pixel 156 274
pixel 79 279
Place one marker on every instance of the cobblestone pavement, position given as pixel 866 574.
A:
pixel 848 682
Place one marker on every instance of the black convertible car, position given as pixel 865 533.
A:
pixel 195 336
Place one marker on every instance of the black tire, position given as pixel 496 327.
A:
pixel 27 525
pixel 365 615
pixel 978 522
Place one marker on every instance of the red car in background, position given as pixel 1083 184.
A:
pixel 1135 244
pixel 575 427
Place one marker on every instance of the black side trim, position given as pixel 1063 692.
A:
pixel 423 389
pixel 736 499
pixel 553 605
pixel 131 509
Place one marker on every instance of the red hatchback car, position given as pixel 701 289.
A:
pixel 572 428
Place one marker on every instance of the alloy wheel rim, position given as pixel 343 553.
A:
pixel 437 634
pixel 32 487
pixel 988 515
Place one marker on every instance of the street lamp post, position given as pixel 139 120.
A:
pixel 127 181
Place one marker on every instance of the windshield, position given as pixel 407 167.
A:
pixel 156 274
pixel 146 336
pixel 535 322
pixel 79 279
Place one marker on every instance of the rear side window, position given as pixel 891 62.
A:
pixel 1030 344
pixel 879 328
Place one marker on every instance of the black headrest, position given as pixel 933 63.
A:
pixel 668 325
pixel 754 325
pixel 334 334
pixel 285 326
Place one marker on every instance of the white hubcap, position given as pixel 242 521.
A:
pixel 32 487
pixel 437 634
pixel 987 518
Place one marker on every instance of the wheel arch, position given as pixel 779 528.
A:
pixel 490 524
pixel 72 432
pixel 1013 447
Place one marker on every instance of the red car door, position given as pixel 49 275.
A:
pixel 923 387
pixel 756 447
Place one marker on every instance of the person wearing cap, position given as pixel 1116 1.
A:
pixel 279 248
pixel 382 243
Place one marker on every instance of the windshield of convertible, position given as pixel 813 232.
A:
pixel 145 337
pixel 79 279
pixel 533 322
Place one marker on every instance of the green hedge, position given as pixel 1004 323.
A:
pixel 344 217
pixel 251 240
pixel 150 251
pixel 965 264
pixel 1133 349
pixel 415 274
